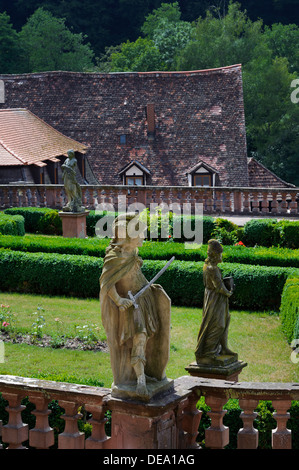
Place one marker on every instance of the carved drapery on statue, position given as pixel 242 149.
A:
pixel 138 338
pixel 71 186
pixel 212 340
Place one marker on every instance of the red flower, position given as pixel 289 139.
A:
pixel 240 243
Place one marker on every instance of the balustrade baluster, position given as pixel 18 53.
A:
pixel 190 422
pixel 98 436
pixel 15 431
pixel 71 438
pixel 281 436
pixel 33 197
pixel 42 436
pixel 248 435
pixel 6 201
pixel 217 435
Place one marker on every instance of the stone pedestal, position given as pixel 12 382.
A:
pixel 73 224
pixel 153 425
pixel 154 387
pixel 223 368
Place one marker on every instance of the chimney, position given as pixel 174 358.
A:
pixel 150 115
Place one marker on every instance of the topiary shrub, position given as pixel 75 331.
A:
pixel 289 233
pixel 289 309
pixel 263 232
pixel 12 225
pixel 38 219
pixel 50 223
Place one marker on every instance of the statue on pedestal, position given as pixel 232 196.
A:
pixel 212 345
pixel 72 187
pixel 138 331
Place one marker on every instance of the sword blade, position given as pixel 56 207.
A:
pixel 154 279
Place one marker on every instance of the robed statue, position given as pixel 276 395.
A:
pixel 135 315
pixel 71 185
pixel 212 341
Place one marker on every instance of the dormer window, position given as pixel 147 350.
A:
pixel 134 174
pixel 202 174
pixel 204 179
pixel 134 180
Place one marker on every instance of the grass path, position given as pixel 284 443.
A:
pixel 256 336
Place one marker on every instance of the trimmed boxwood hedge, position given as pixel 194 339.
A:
pixel 152 250
pixel 12 224
pixel 289 309
pixel 270 232
pixel 38 219
pixel 257 287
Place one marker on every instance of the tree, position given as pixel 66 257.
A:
pixel 141 55
pixel 11 60
pixel 170 38
pixel 167 12
pixel 166 35
pixel 223 40
pixel 50 45
pixel 272 119
pixel 283 41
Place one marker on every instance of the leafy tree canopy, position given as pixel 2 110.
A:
pixel 50 45
pixel 10 50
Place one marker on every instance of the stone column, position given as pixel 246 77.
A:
pixel 71 438
pixel 15 431
pixel 281 436
pixel 42 436
pixel 217 435
pixel 248 435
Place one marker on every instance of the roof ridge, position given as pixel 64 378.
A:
pixel 152 72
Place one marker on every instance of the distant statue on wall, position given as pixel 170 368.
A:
pixel 212 341
pixel 138 331
pixel 72 187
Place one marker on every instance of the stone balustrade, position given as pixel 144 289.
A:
pixel 214 200
pixel 169 422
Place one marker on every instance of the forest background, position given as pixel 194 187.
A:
pixel 151 35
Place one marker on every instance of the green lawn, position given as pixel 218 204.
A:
pixel 256 336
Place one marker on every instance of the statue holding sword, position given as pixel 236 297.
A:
pixel 135 314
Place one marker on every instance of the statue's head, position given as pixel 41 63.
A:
pixel 214 251
pixel 128 230
pixel 71 154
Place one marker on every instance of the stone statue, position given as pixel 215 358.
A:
pixel 72 187
pixel 138 336
pixel 213 333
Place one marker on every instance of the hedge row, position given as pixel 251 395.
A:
pixel 45 220
pixel 289 309
pixel 270 232
pixel 153 250
pixel 257 287
pixel 12 225
pixel 38 219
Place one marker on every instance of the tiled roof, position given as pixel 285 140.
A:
pixel 260 176
pixel 7 158
pixel 25 139
pixel 198 116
